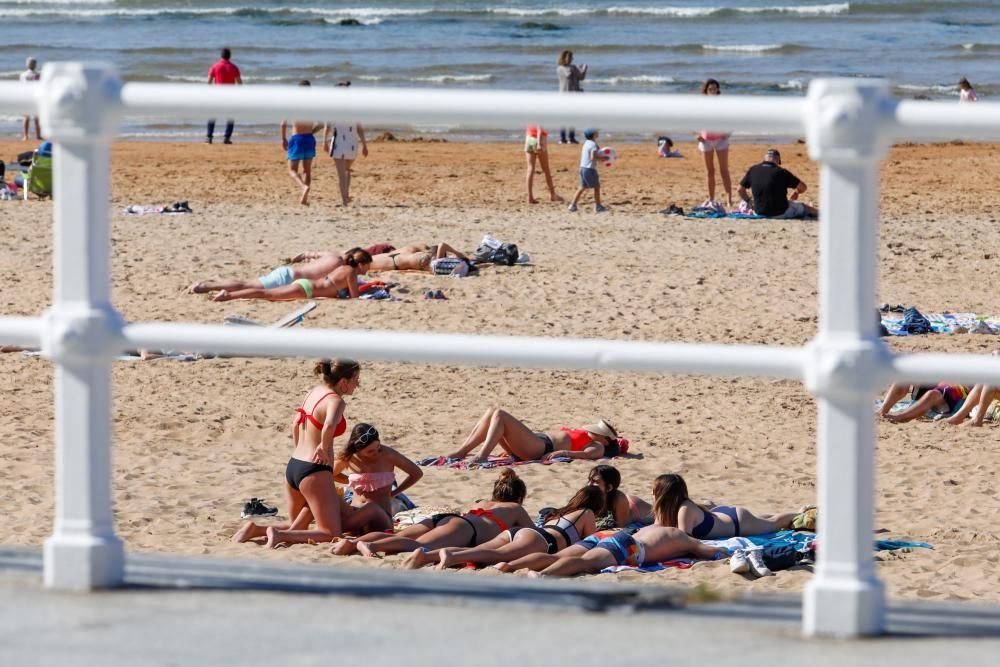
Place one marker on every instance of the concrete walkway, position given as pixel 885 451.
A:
pixel 252 613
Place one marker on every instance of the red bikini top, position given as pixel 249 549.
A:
pixel 578 438
pixel 478 511
pixel 308 416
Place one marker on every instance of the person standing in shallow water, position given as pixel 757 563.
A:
pixel 223 73
pixel 570 76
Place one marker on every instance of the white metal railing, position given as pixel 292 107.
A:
pixel 849 124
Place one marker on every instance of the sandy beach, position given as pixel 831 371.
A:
pixel 194 441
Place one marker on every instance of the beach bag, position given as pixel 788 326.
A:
pixel 506 254
pixel 914 322
pixel 452 266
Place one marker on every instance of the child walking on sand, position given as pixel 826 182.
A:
pixel 966 93
pixel 589 179
pixel 301 148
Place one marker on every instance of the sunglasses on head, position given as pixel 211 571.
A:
pixel 369 436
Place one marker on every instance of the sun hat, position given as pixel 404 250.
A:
pixel 602 428
pixel 589 132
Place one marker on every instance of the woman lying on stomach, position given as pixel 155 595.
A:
pixel 480 524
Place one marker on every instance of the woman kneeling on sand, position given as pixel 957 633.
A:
pixel 480 524
pixel 499 427
pixel 309 484
pixel 675 509
pixel 563 528
pixel 654 543
pixel 371 469
pixel 342 283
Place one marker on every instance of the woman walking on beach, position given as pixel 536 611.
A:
pixel 570 76
pixel 717 143
pixel 536 148
pixel 309 484
pixel 342 283
pixel 482 523
pixel 370 469
pixel 343 148
pixel 499 427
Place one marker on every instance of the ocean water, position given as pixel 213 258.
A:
pixel 751 46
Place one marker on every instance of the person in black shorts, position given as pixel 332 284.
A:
pixel 769 182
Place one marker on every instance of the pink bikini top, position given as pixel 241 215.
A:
pixel 370 481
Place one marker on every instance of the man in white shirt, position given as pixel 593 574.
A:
pixel 30 75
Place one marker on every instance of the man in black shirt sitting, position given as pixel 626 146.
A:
pixel 769 182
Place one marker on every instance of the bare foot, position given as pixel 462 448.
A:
pixel 503 567
pixel 954 421
pixel 972 422
pixel 222 296
pixel 365 549
pixel 304 200
pixel 247 531
pixel 197 288
pixel 532 200
pixel 273 537
pixel 535 575
pixel 417 559
pixel 344 548
pixel 555 197
pixel 448 557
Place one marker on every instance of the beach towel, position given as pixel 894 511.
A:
pixel 493 462
pixel 944 323
pixel 771 542
pixel 702 212
pixel 932 416
pixel 180 207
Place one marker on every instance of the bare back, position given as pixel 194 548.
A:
pixel 320 407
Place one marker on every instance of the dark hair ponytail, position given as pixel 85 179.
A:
pixel 334 370
pixel 587 498
pixel 509 488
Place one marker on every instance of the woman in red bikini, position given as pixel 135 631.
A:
pixel 368 467
pixel 480 524
pixel 499 427
pixel 309 484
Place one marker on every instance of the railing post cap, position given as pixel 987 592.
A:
pixel 844 119
pixel 845 366
pixel 79 101
pixel 81 334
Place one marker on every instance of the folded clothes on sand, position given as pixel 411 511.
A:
pixel 898 325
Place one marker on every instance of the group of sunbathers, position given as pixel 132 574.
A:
pixel 331 273
pixel 498 531
pixel 956 401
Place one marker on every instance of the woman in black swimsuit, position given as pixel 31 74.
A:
pixel 480 524
pixel 309 484
pixel 563 528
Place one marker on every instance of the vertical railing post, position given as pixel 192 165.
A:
pixel 844 597
pixel 79 110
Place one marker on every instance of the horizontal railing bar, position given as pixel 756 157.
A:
pixel 944 121
pixel 470 108
pixel 931 368
pixel 18 99
pixel 510 351
pixel 21 331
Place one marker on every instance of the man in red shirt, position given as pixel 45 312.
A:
pixel 223 73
